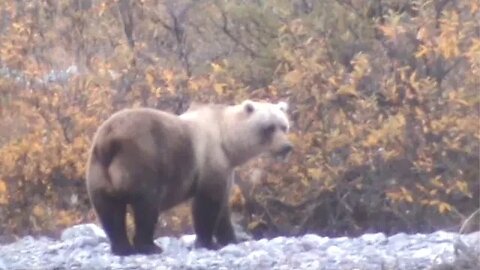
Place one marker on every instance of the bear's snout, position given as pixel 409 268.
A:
pixel 284 151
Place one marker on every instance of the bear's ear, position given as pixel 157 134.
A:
pixel 248 106
pixel 283 106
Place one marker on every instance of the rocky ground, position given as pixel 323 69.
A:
pixel 85 247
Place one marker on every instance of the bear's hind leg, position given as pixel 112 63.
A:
pixel 111 213
pixel 145 214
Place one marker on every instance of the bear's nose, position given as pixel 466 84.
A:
pixel 287 148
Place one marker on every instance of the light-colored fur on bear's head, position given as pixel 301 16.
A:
pixel 244 130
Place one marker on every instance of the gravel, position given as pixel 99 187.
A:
pixel 85 246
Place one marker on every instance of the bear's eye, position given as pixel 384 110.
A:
pixel 269 129
pixel 283 128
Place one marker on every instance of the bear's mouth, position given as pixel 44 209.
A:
pixel 283 154
pixel 281 158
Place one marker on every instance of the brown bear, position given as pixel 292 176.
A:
pixel 154 160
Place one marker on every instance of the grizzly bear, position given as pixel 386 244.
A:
pixel 154 160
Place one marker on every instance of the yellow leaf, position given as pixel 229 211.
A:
pixel 103 7
pixel 391 31
pixel 393 196
pixel 407 195
pixel 217 68
pixel 422 33
pixel 293 137
pixel 474 50
pixel 422 51
pixel 157 92
pixel 283 28
pixel 219 88
pixel 461 102
pixel 462 186
pixel 347 90
pixel 293 77
pixel 256 223
pixel 3 187
pixel 424 202
pixel 193 85
pixel 3 193
pixel 333 81
pixel 420 187
pixel 38 211
pixel 361 65
pixel 444 207
pixel 315 172
pixel 168 75
pixel 449 38
pixel 372 140
pixel 150 79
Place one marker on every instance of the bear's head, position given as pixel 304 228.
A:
pixel 256 128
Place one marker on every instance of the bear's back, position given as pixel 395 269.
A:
pixel 148 145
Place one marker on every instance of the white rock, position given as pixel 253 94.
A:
pixel 89 229
pixel 372 238
pixel 422 253
pixel 313 265
pixel 2 265
pixel 188 240
pixel 443 236
pixel 234 250
pixel 278 240
pixel 313 241
pixel 334 251
pixel 81 247
pixel 261 242
pixel 258 255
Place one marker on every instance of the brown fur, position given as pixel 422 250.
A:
pixel 154 160
pixel 131 151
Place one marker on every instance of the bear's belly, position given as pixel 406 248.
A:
pixel 176 191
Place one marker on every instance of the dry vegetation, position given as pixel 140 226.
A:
pixel 384 101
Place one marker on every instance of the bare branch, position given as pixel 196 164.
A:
pixel 125 8
pixel 229 34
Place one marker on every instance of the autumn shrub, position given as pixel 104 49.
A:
pixel 387 124
pixel 383 97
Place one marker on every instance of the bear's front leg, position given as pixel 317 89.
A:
pixel 224 230
pixel 211 215
pixel 205 210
